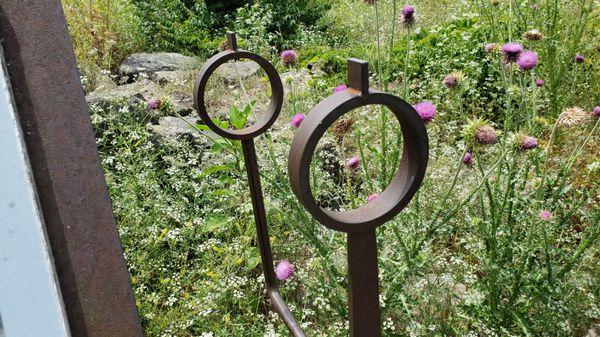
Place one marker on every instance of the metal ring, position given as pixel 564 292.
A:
pixel 276 94
pixel 403 186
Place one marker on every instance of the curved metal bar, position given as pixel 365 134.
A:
pixel 247 136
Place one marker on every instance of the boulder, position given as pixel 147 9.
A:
pixel 124 95
pixel 129 94
pixel 594 331
pixel 171 77
pixel 245 69
pixel 175 126
pixel 183 104
pixel 147 64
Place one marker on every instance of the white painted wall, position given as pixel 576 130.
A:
pixel 30 300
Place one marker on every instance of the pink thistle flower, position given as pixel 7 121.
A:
pixel 539 83
pixel 451 81
pixel 545 214
pixel 426 111
pixel 289 57
pixel 372 197
pixel 297 120
pixel 512 51
pixel 579 58
pixel 527 60
pixel 596 111
pixel 486 135
pixel 353 163
pixel 528 143
pixel 468 158
pixel 284 270
pixel 340 88
pixel 408 15
pixel 155 103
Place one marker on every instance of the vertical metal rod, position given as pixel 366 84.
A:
pixel 358 76
pixel 363 285
pixel 232 40
pixel 264 243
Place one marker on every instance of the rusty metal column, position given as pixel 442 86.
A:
pixel 72 191
pixel 363 285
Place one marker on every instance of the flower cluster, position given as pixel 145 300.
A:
pixel 289 58
pixel 468 158
pixel 574 116
pixel 533 35
pixel 353 163
pixel 155 103
pixel 454 80
pixel 297 120
pixel 408 15
pixel 426 111
pixel 340 88
pixel 480 131
pixel 527 60
pixel 512 51
pixel 527 142
pixel 284 270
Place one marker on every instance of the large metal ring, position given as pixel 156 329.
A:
pixel 403 186
pixel 276 94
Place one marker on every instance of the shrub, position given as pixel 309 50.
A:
pixel 104 32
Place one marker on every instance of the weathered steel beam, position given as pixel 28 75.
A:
pixel 72 191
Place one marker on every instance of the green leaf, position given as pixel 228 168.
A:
pixel 214 169
pixel 214 223
pixel 252 257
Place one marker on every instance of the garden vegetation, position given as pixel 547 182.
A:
pixel 502 239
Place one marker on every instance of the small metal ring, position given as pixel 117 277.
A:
pixel 276 94
pixel 403 186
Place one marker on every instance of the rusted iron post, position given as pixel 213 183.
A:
pixel 246 136
pixel 73 196
pixel 360 224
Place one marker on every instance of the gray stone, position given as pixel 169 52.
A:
pixel 175 126
pixel 245 69
pixel 148 64
pixel 183 104
pixel 104 82
pixel 171 77
pixel 124 95
pixel 594 331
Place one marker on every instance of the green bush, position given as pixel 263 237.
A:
pixel 103 32
pixel 197 27
pixel 178 26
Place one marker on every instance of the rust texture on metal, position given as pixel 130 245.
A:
pixel 247 136
pixel 74 199
pixel 361 223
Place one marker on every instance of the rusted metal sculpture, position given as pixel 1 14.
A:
pixel 64 158
pixel 360 223
pixel 246 136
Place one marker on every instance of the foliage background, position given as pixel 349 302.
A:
pixel 184 213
